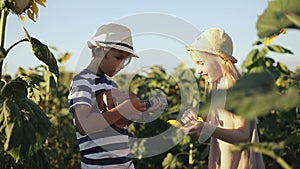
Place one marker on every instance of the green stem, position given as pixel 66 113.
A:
pixel 262 149
pixel 278 159
pixel 3 18
pixel 10 48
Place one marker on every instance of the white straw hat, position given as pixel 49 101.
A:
pixel 113 36
pixel 215 41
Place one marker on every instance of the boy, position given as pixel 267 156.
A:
pixel 102 134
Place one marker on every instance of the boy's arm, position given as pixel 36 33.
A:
pixel 87 122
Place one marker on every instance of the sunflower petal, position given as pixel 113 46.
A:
pixel 22 19
pixel 41 2
pixel 30 15
pixel 34 8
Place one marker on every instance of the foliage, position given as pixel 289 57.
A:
pixel 279 128
pixel 20 117
pixel 60 149
pixel 279 14
pixel 24 125
pixel 255 95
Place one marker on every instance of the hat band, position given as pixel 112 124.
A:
pixel 117 43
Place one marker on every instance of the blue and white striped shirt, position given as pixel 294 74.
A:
pixel 106 148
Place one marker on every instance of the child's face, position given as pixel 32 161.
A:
pixel 207 65
pixel 114 61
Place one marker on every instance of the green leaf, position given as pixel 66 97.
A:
pixel 15 89
pixel 11 122
pixel 258 68
pixel 283 68
pixel 279 49
pixel 250 58
pixel 43 125
pixel 24 119
pixel 294 18
pixel 253 58
pixel 36 126
pixel 43 53
pixel 168 161
pixel 279 14
pixel 269 61
pixel 254 95
pixel 29 139
pixel 257 43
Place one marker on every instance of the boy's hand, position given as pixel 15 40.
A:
pixel 131 109
pixel 158 103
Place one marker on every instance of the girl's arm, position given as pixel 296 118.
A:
pixel 238 135
pixel 231 135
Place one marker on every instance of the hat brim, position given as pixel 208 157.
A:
pixel 118 46
pixel 231 58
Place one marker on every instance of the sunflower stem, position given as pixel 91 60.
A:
pixel 3 18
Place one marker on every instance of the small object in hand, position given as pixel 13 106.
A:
pixel 175 123
pixel 199 119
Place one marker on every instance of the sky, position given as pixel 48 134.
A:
pixel 161 29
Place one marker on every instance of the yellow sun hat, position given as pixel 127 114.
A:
pixel 215 41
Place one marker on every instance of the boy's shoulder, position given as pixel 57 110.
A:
pixel 93 78
pixel 85 74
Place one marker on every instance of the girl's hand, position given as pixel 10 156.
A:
pixel 192 125
pixel 189 117
pixel 192 129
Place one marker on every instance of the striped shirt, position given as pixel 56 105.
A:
pixel 108 147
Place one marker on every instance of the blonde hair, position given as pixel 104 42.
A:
pixel 231 72
pixel 230 75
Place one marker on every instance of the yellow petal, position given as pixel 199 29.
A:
pixel 65 58
pixel 34 8
pixel 30 15
pixel 175 123
pixel 22 19
pixel 41 2
pixel 270 39
pixel 282 31
pixel 199 119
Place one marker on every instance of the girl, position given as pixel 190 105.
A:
pixel 212 54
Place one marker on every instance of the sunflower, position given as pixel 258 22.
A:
pixel 21 7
